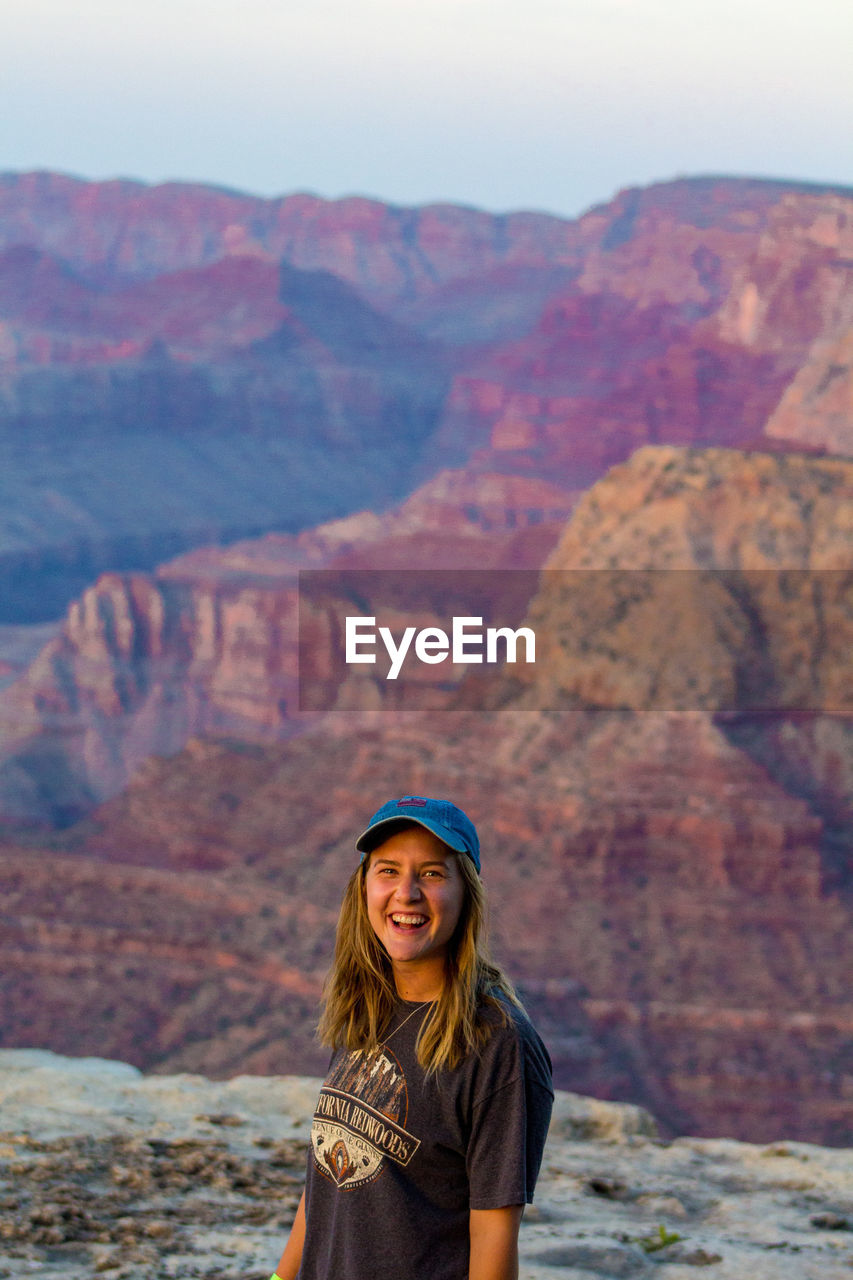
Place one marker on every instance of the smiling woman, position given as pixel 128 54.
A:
pixel 414 892
pixel 430 1126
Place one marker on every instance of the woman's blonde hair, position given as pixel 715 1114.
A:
pixel 359 996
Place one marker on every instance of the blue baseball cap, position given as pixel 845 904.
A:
pixel 443 818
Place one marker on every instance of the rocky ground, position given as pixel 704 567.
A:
pixel 106 1171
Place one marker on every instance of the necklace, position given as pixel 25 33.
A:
pixel 419 1008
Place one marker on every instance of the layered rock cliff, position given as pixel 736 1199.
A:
pixel 670 886
pixel 718 582
pixel 189 366
pixel 660 901
pixel 208 644
pixel 718 305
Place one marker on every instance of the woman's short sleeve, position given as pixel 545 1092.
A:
pixel 510 1116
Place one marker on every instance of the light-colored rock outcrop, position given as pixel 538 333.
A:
pixel 107 1172
pixel 817 407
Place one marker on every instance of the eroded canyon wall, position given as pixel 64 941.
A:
pixel 672 891
pixel 180 365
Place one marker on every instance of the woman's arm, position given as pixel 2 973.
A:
pixel 494 1243
pixel 292 1256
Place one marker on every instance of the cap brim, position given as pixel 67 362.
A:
pixel 379 831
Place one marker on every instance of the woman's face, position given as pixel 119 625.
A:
pixel 414 892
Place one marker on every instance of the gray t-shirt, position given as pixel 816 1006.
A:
pixel 397 1159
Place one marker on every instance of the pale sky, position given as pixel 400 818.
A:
pixel 545 104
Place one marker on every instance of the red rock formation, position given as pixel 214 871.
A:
pixel 668 890
pixel 657 897
pixel 679 328
pixel 127 230
pixel 209 644
pixel 765 647
pixel 191 365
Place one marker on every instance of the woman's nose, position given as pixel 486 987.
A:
pixel 409 889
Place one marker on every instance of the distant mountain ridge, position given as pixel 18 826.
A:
pixel 196 224
pixel 182 365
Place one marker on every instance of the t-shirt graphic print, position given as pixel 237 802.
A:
pixel 399 1157
pixel 360 1119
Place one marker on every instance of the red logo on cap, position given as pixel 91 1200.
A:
pixel 411 800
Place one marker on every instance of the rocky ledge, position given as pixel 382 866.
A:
pixel 106 1171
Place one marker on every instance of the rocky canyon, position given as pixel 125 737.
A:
pixel 640 421
pixel 181 365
